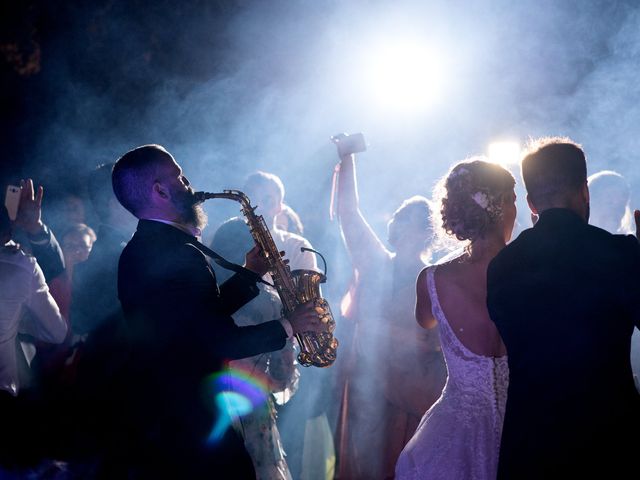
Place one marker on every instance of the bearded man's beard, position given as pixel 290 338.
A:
pixel 191 211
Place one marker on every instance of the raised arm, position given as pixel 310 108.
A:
pixel 361 241
pixel 44 245
pixel 45 323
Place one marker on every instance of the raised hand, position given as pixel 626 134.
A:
pixel 30 208
pixel 349 144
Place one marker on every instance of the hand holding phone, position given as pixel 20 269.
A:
pixel 12 201
pixel 349 144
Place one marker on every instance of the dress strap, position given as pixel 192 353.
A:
pixel 436 310
pixel 438 313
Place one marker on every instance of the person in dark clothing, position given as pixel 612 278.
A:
pixel 180 328
pixel 95 280
pixel 565 298
pixel 101 350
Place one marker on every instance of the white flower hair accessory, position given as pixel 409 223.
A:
pixel 481 199
pixel 489 204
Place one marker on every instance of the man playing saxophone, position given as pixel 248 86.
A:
pixel 180 326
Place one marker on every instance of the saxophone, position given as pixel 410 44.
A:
pixel 294 288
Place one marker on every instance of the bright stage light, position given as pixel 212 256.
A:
pixel 404 76
pixel 504 153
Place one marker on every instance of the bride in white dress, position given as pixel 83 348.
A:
pixel 459 436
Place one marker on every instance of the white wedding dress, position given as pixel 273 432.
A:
pixel 459 436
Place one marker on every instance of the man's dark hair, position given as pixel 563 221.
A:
pixel 101 190
pixel 133 175
pixel 552 168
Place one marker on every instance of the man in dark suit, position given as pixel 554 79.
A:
pixel 180 326
pixel 565 297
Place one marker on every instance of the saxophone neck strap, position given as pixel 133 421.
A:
pixel 226 264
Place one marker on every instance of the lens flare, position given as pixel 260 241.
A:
pixel 230 405
pixel 236 392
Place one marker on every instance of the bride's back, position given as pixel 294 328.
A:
pixel 477 205
pixel 461 286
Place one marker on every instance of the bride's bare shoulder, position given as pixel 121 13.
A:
pixel 452 267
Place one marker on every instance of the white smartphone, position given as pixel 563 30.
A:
pixel 348 144
pixel 12 201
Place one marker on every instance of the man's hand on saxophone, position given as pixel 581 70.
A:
pixel 255 261
pixel 305 318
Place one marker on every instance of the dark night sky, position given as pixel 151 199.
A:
pixel 102 49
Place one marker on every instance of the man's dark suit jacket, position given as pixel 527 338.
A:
pixel 181 330
pixel 565 297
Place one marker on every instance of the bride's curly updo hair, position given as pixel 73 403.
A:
pixel 471 197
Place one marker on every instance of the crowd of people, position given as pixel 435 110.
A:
pixel 132 350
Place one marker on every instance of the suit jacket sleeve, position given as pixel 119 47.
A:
pixel 236 292
pixel 632 264
pixel 173 304
pixel 47 251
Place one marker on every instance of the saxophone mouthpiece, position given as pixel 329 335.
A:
pixel 200 196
